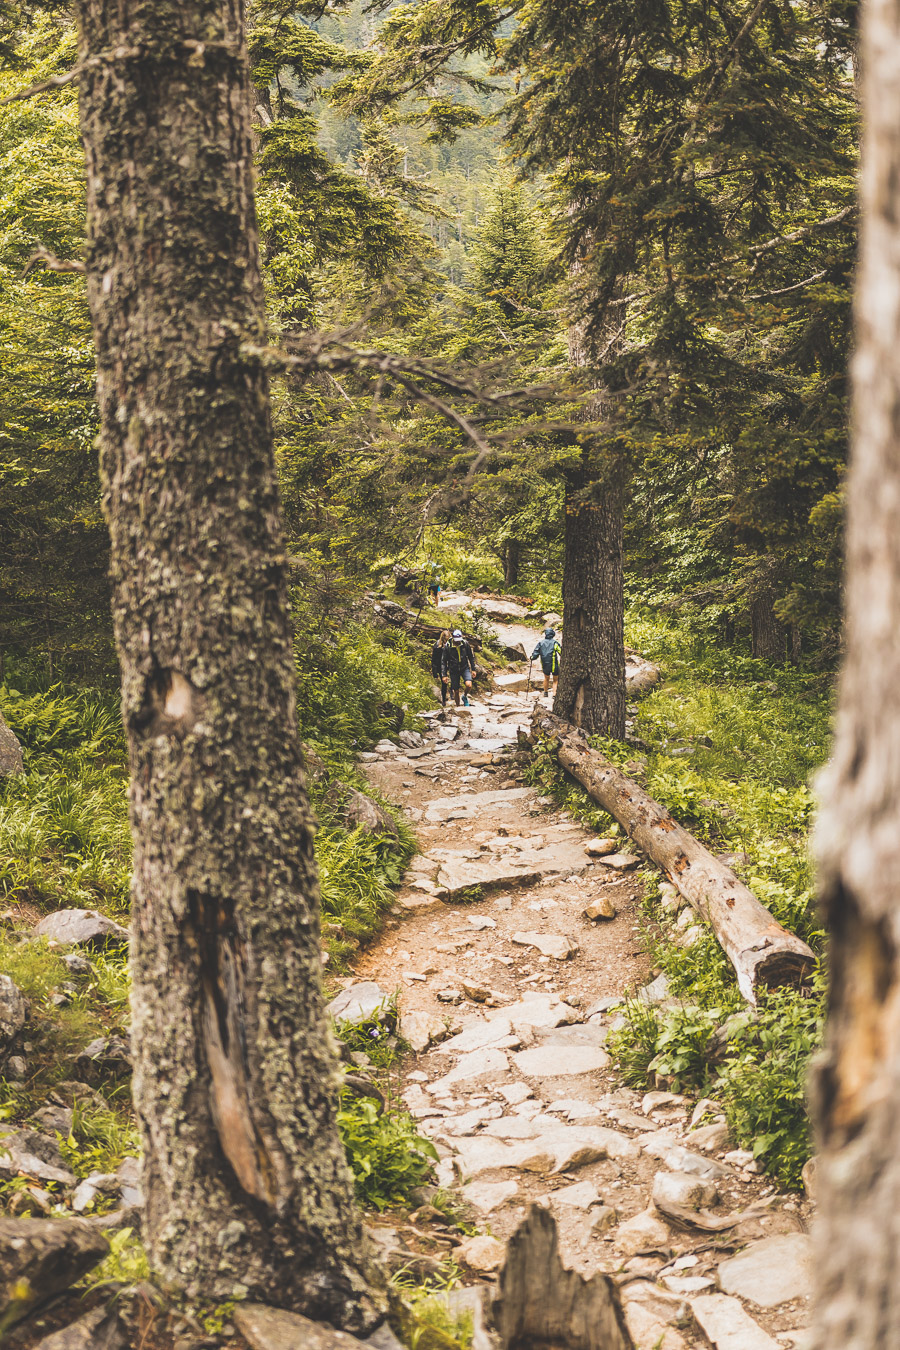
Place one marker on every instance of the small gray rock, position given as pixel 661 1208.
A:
pixel 78 965
pixel 10 752
pixel 13 1015
pixel 106 1057
pixel 100 1329
pixel 655 992
pixel 679 1188
pixel 58 1119
pixel 34 1154
pixel 359 1003
pixel 80 928
pixel 87 1191
pixel 771 1271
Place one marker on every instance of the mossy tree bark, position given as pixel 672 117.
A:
pixel 857 1085
pixel 247 1188
pixel 591 688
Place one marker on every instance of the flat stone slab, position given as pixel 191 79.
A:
pixel 274 1329
pixel 728 1326
pixel 359 1002
pixel 581 1195
pixel 472 805
pixel 486 1063
pixel 555 1061
pixel 539 1010
pixel 517 867
pixel 620 862
pixel 35 1155
pixel 478 1034
pixel 486 1196
pixel 771 1271
pixel 548 944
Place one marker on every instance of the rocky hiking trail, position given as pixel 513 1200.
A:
pixel 514 940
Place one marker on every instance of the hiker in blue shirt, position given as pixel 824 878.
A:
pixel 548 649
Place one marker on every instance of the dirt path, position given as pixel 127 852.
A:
pixel 511 1079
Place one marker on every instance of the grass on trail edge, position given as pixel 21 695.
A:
pixel 731 746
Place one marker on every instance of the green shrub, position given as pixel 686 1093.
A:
pixel 387 1157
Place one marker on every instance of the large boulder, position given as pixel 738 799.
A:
pixel 40 1258
pixel 10 752
pixel 80 928
pixel 13 1014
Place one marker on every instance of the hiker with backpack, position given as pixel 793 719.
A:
pixel 548 649
pixel 458 667
pixel 434 582
pixel 437 654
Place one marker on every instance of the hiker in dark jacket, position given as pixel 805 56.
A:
pixel 548 649
pixel 458 667
pixel 437 653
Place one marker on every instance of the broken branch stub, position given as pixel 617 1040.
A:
pixel 763 953
pixel 541 1304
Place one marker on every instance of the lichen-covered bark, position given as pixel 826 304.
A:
pixel 247 1188
pixel 591 688
pixel 857 1086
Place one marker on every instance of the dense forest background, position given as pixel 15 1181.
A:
pixel 404 217
pixel 490 293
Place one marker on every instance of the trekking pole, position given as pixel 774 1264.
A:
pixel 528 686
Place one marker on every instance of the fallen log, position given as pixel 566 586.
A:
pixel 402 618
pixel 762 952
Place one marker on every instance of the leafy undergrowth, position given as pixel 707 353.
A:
pixel 389 1159
pixel 729 745
pixel 64 842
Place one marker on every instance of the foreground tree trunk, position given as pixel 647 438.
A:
pixel 248 1192
pixel 857 1087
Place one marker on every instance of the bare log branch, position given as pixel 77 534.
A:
pixel 43 257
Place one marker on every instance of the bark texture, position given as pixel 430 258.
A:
pixel 760 949
pixel 590 692
pixel 857 1085
pixel 767 636
pixel 540 1303
pixel 248 1192
pixel 591 688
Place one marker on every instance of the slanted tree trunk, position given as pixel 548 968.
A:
pixel 857 1087
pixel 248 1192
pixel 591 688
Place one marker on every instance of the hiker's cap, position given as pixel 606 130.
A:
pixel 457 633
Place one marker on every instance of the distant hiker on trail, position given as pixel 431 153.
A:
pixel 458 667
pixel 548 649
pixel 434 582
pixel 437 654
